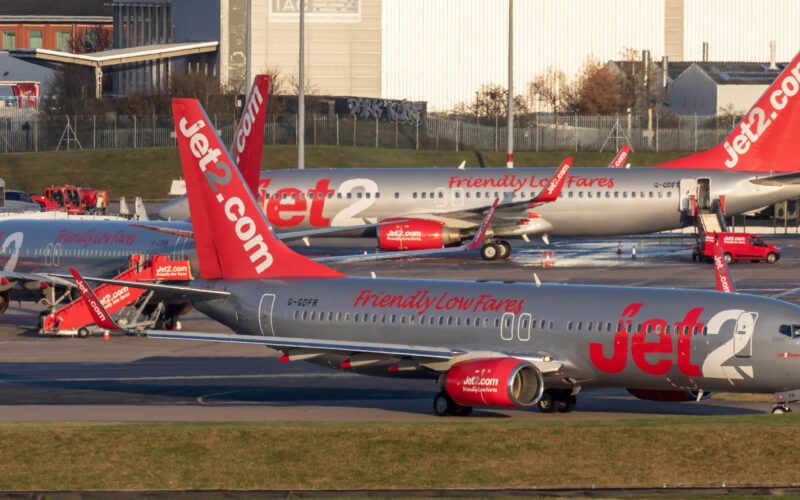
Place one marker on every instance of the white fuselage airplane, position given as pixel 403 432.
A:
pixel 441 206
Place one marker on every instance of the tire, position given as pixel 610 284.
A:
pixel 547 404
pixel 442 404
pixel 754 261
pixel 83 332
pixel 771 258
pixel 780 410
pixel 728 258
pixel 5 299
pixel 505 249
pixel 569 404
pixel 462 411
pixel 489 251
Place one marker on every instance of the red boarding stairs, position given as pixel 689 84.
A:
pixel 75 316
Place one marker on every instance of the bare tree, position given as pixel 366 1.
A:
pixel 597 90
pixel 638 83
pixel 551 88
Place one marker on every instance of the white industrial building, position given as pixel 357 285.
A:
pixel 440 51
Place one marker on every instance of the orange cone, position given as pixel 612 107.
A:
pixel 106 335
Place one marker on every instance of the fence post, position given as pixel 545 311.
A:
pixel 437 132
pixel 576 131
pixel 315 130
pixel 154 130
pixel 355 122
pixel 695 132
pixel 274 128
pixel 458 129
pixel 337 130
pixel 376 132
pixel 417 135
pixel 36 133
pixel 296 128
pixel 656 132
pixel 536 131
pixel 134 131
pixel 495 133
pixel 395 131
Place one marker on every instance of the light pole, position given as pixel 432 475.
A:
pixel 510 105
pixel 301 98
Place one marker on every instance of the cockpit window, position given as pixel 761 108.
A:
pixel 791 331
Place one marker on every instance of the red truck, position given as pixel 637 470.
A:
pixel 736 246
pixel 73 199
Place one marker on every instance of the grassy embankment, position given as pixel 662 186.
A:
pixel 147 172
pixel 453 453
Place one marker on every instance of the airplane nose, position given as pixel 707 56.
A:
pixel 177 209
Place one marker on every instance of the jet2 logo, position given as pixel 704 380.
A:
pixel 234 208
pixel 738 346
pixel 15 240
pixel 753 127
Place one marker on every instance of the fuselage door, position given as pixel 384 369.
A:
pixel 743 335
pixel 507 326
pixel 688 189
pixel 704 194
pixel 265 314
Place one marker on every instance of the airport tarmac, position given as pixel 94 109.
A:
pixel 140 379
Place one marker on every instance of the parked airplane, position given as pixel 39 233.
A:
pixel 486 343
pixel 444 204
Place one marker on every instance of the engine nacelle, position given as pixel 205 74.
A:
pixel 667 395
pixel 416 234
pixel 506 382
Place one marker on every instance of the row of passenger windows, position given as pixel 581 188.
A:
pixel 600 327
pixel 409 319
pixel 523 195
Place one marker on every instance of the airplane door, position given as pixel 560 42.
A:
pixel 743 335
pixel 265 314
pixel 524 327
pixel 440 197
pixel 704 194
pixel 507 326
pixel 688 189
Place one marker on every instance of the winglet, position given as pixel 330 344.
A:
pixel 721 272
pixel 477 240
pixel 553 188
pixel 619 160
pixel 96 309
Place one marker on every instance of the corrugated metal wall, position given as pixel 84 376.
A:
pixel 441 51
pixel 740 30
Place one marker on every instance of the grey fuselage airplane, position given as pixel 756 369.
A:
pixel 756 165
pixel 488 344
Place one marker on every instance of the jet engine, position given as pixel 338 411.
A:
pixel 667 395
pixel 505 382
pixel 416 234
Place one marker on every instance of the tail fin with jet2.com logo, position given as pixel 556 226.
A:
pixel 232 237
pixel 248 144
pixel 765 139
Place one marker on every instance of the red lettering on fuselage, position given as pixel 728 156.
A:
pixel 423 300
pixel 640 347
pixel 286 207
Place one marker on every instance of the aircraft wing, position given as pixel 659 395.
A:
pixel 9 277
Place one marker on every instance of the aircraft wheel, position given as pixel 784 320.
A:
pixel 83 332
pixel 781 409
pixel 489 251
pixel 42 316
pixel 505 249
pixel 444 406
pixel 728 258
pixel 547 404
pixel 771 258
pixel 569 403
pixel 5 298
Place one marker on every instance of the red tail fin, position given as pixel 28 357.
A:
pixel 721 272
pixel 248 142
pixel 619 160
pixel 553 188
pixel 232 236
pixel 765 138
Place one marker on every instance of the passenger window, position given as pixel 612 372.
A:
pixel 580 325
pixel 423 195
pixel 588 194
pixel 368 195
pixel 441 320
pixel 616 194
pixel 414 195
pixel 496 322
pixel 588 327
pixel 569 325
pixel 294 315
pixel 569 194
pixel 311 315
pixel 392 318
pixel 396 195
pixel 349 195
pixel 347 316
pixel 359 195
pixel 339 195
pixel 580 194
pixel 624 194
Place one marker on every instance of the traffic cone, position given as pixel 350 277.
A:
pixel 106 335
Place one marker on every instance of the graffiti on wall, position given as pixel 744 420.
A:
pixel 390 110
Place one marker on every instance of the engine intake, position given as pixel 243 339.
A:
pixel 505 382
pixel 416 234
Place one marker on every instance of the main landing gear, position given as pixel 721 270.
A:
pixel 444 406
pixel 557 400
pixel 780 409
pixel 494 250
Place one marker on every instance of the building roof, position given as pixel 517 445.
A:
pixel 45 10
pixel 118 56
pixel 741 73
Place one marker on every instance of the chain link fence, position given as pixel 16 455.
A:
pixel 26 130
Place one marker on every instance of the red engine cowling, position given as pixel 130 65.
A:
pixel 416 234
pixel 665 395
pixel 506 382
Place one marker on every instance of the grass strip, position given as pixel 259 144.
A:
pixel 451 454
pixel 147 172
